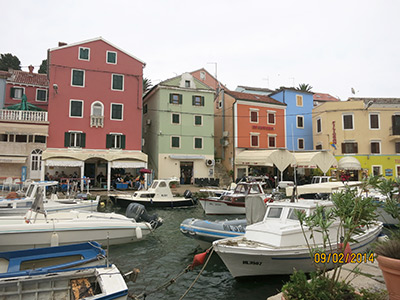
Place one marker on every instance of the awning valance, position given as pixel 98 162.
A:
pixel 174 156
pixel 5 159
pixel 83 154
pixel 349 163
pixel 34 129
pixel 321 188
pixel 128 164
pixel 281 158
pixel 315 159
pixel 64 162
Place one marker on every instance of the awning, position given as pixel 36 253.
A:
pixel 281 158
pixel 4 159
pixel 34 129
pixel 349 163
pixel 63 162
pixel 128 164
pixel 321 188
pixel 315 159
pixel 173 156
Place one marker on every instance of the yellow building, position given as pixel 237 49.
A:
pixel 362 133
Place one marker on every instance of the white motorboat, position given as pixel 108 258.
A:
pixel 105 282
pixel 158 195
pixel 277 245
pixel 39 229
pixel 233 202
pixel 19 206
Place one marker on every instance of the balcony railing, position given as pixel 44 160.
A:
pixel 23 115
pixel 96 121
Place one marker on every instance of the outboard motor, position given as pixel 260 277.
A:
pixel 187 194
pixel 138 212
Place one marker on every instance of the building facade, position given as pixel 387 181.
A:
pixel 363 131
pixel 298 117
pixel 95 109
pixel 178 129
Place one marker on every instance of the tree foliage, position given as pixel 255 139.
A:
pixel 146 85
pixel 9 61
pixel 305 87
pixel 43 67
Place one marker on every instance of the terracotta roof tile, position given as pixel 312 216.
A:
pixel 22 77
pixel 253 97
pixel 324 97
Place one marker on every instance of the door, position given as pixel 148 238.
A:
pixel 36 164
pixel 186 172
pixel 90 171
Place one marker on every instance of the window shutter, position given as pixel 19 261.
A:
pixel 12 92
pixel 355 148
pixel 170 98
pixel 66 139
pixel 180 99
pixel 83 140
pixel 122 141
pixel 108 141
pixel 202 101
pixel 193 100
pixel 343 148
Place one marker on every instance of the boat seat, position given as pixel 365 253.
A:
pixel 4 265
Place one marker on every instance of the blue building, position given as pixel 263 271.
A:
pixel 299 134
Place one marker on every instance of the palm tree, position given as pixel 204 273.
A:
pixel 305 87
pixel 146 85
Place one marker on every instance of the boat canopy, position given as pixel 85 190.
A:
pixel 321 188
pixel 349 163
pixel 315 159
pixel 281 158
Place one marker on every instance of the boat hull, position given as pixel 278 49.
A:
pixel 219 207
pixel 245 258
pixel 181 202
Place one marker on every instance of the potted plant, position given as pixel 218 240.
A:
pixel 353 212
pixel 388 251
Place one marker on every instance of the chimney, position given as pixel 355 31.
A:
pixel 30 69
pixel 60 44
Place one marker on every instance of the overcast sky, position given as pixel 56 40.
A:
pixel 331 45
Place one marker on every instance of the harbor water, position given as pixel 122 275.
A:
pixel 164 254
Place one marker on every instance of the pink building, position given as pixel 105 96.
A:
pixel 95 109
pixel 33 85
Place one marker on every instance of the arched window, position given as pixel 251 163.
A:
pixel 97 114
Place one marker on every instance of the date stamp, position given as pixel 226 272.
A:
pixel 342 258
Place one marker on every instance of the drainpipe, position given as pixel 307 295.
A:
pixel 223 122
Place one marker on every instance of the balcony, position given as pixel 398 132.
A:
pixel 394 133
pixel 23 115
pixel 96 121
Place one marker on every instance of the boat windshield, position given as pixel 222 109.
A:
pixel 274 212
pixel 292 213
pixel 241 189
pixel 154 185
pixel 162 184
pixel 30 191
pixel 254 189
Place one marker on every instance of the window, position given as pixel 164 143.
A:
pixel 271 141
pixel 75 108
pixel 74 139
pixel 198 120
pixel 97 116
pixel 145 109
pixel 117 82
pixel 198 143
pixel 78 78
pixel 318 147
pixel 21 138
pixel 84 53
pixel 397 170
pixel 254 140
pixel 375 147
pixel 175 141
pixel 97 109
pixel 16 92
pixel 300 122
pixel 253 116
pixel 271 118
pixel 396 125
pixel 300 144
pixel 299 100
pixel 117 111
pixel 397 147
pixel 40 139
pixel 175 98
pixel 274 212
pixel 374 121
pixel 41 95
pixel 187 83
pixel 198 101
pixel 349 147
pixel 36 160
pixel 376 170
pixel 115 141
pixel 111 57
pixel 203 75
pixel 3 137
pixel 348 122
pixel 176 118
pixel 319 125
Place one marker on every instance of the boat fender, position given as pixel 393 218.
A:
pixel 139 233
pixel 28 216
pixel 187 194
pixel 54 240
pixel 268 200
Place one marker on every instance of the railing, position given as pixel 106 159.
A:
pixel 96 121
pixel 23 115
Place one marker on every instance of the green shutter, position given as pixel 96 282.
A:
pixel 83 140
pixel 202 101
pixel 12 92
pixel 170 98
pixel 180 99
pixel 108 141
pixel 193 100
pixel 122 141
pixel 66 139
